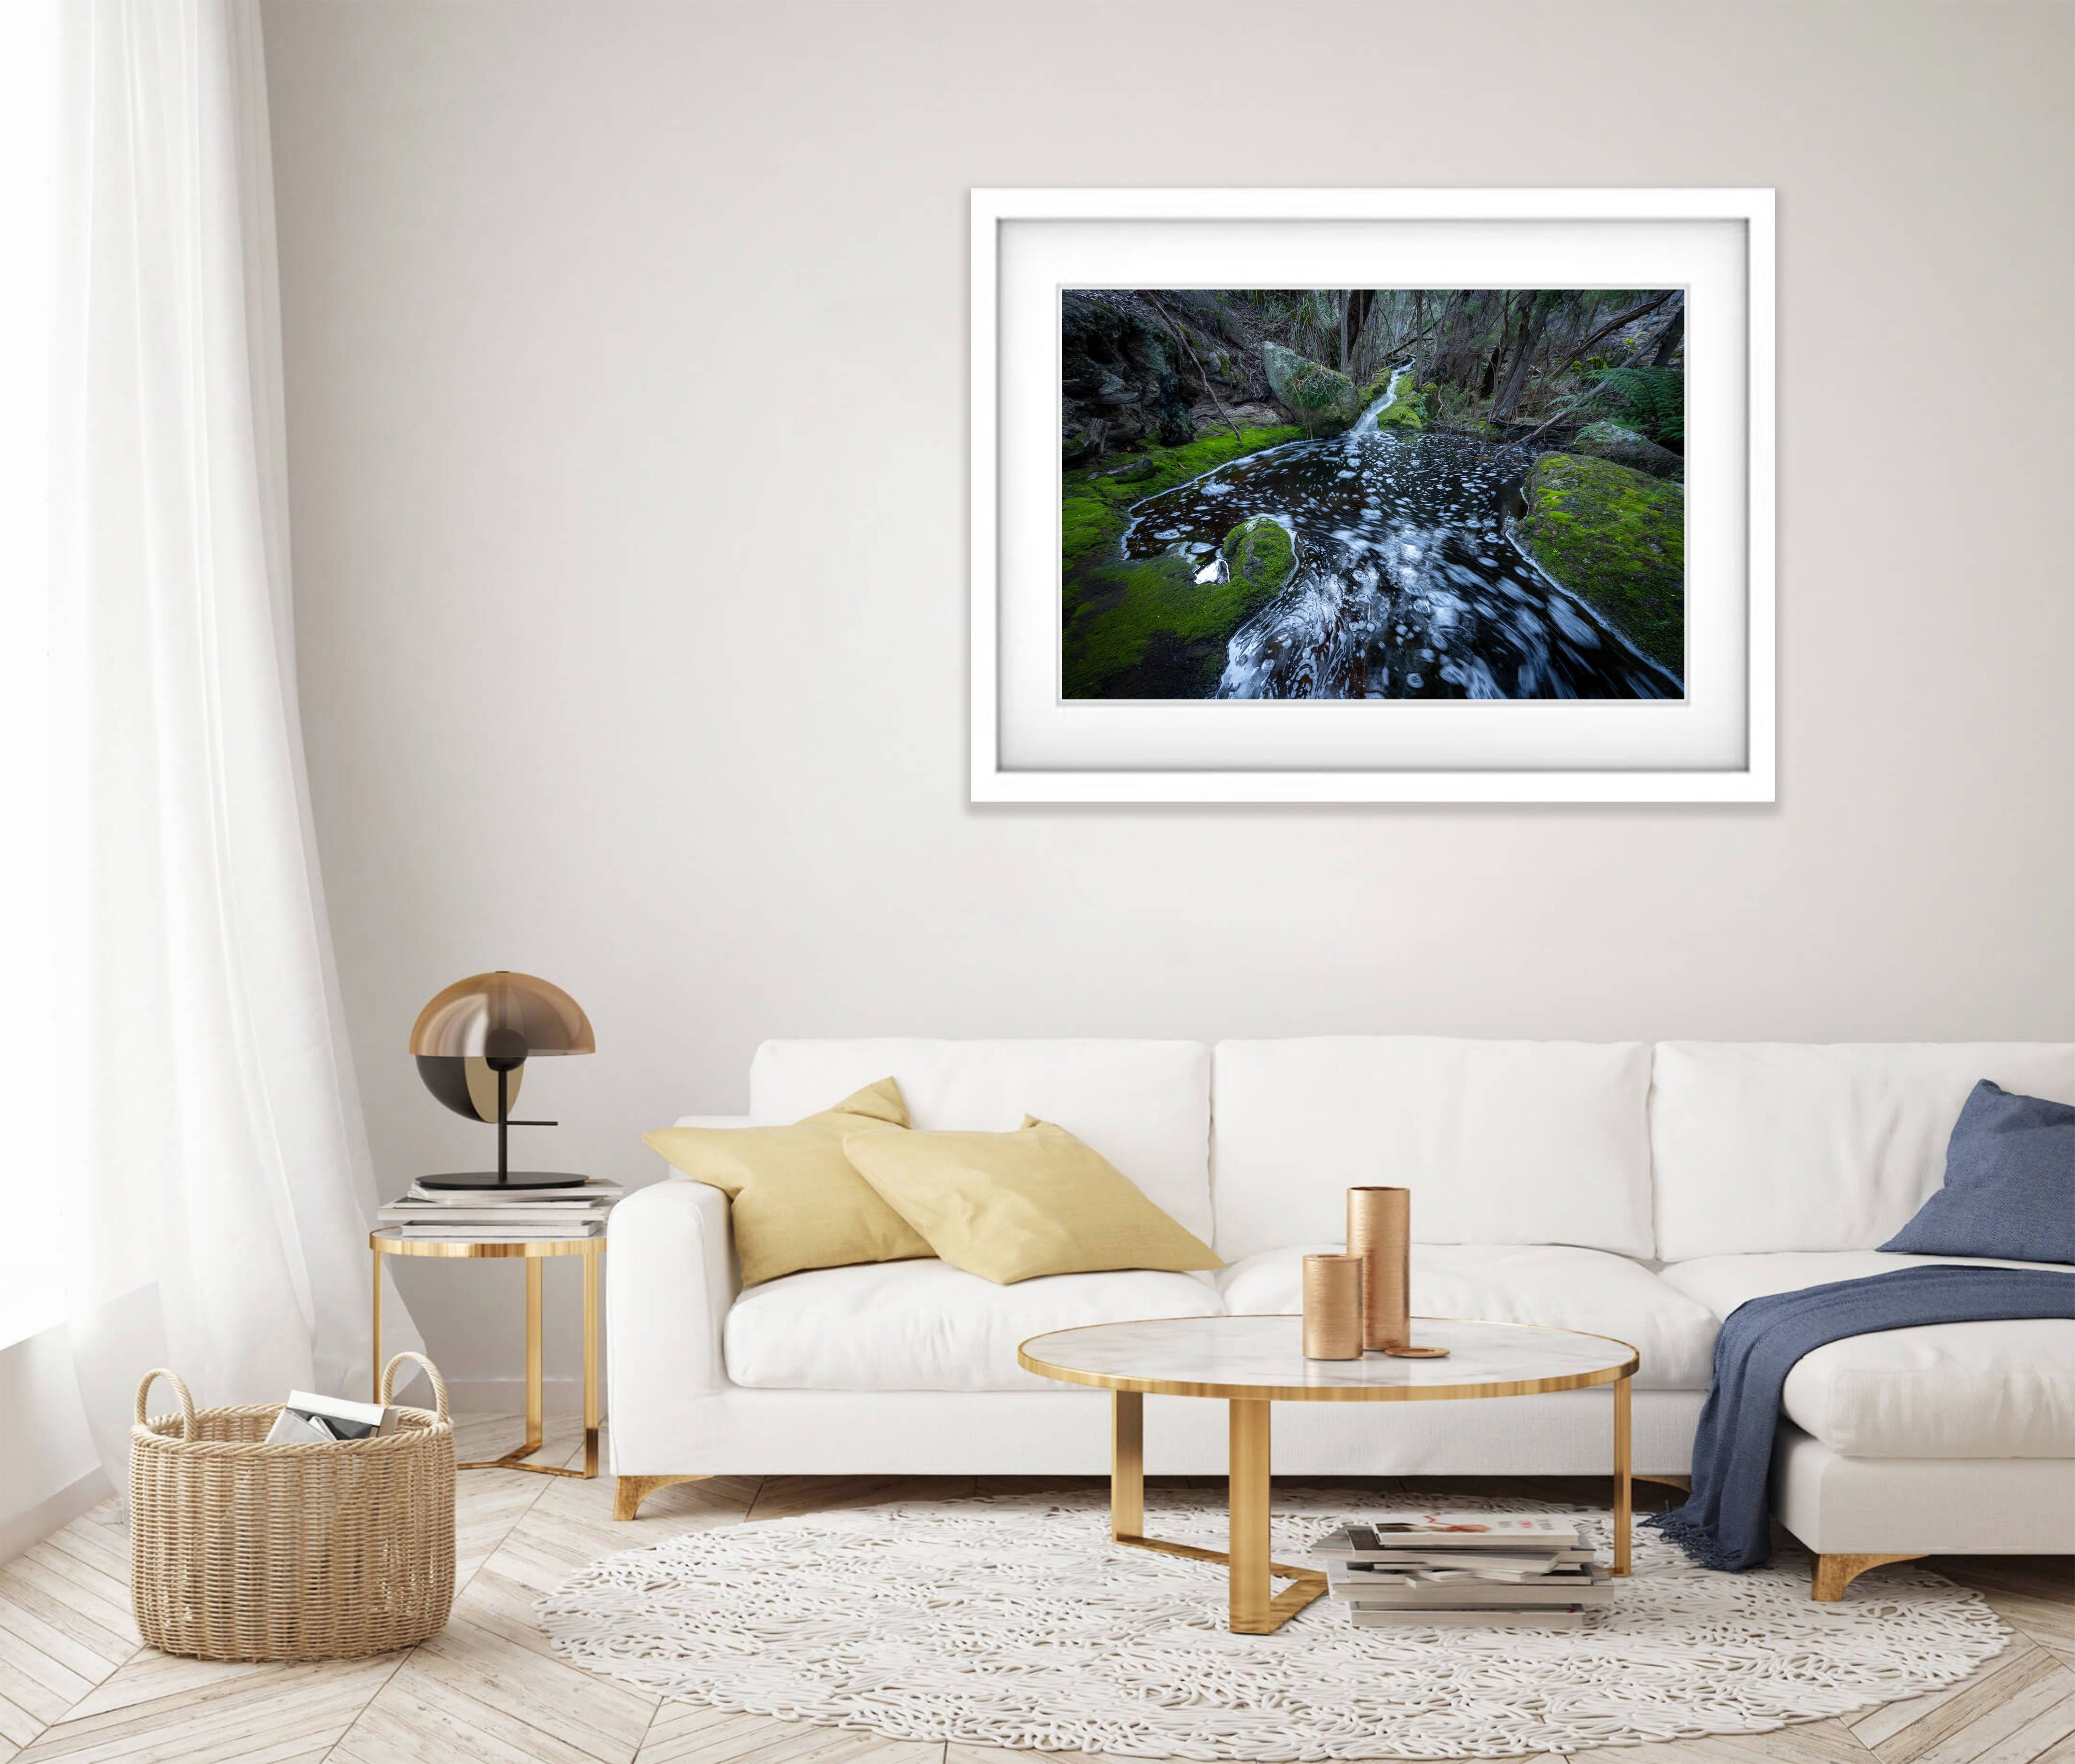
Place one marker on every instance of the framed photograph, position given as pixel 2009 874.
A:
pixel 1373 495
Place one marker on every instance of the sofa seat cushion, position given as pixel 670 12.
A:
pixel 928 1325
pixel 1942 1390
pixel 1588 1290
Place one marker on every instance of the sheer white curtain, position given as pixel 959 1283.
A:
pixel 212 1144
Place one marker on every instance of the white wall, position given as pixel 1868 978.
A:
pixel 627 376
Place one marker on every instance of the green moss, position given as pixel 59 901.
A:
pixel 1088 527
pixel 1172 465
pixel 1148 629
pixel 1260 555
pixel 1094 498
pixel 1408 410
pixel 1144 627
pixel 1617 538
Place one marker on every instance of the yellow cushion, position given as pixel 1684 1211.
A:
pixel 1010 1207
pixel 795 1199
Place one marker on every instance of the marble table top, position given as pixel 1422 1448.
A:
pixel 1263 1357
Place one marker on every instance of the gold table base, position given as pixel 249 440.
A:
pixel 1255 1608
pixel 592 1249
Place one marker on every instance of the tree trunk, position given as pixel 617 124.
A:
pixel 1535 319
pixel 1370 322
pixel 1669 341
pixel 1498 354
pixel 1445 341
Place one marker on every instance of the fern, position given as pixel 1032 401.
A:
pixel 1651 400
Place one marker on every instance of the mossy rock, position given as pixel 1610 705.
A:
pixel 1326 400
pixel 1617 538
pixel 1260 556
pixel 1408 410
pixel 1624 446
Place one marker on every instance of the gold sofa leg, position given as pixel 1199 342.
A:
pixel 630 1492
pixel 1834 1573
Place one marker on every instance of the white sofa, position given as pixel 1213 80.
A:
pixel 1631 1191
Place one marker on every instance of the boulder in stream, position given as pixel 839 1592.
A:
pixel 1327 401
pixel 1616 539
pixel 1259 556
pixel 1605 440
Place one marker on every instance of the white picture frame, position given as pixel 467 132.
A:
pixel 1029 745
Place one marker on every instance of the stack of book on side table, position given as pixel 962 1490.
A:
pixel 576 1209
pixel 1523 1571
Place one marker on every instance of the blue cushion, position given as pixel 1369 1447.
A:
pixel 2010 1183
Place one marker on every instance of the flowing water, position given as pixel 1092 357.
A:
pixel 1406 585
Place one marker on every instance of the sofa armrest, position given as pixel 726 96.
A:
pixel 672 1279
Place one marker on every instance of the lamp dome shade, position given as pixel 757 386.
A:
pixel 504 1017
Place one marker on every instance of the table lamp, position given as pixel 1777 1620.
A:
pixel 472 1042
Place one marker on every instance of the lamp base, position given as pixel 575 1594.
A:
pixel 488 1179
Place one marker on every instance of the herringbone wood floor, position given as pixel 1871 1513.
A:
pixel 75 1685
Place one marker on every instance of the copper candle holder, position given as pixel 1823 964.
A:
pixel 1333 1307
pixel 1380 1232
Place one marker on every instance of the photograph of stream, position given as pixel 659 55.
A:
pixel 1373 493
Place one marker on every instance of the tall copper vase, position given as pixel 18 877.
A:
pixel 1380 1231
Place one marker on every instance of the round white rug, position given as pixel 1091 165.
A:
pixel 1016 1621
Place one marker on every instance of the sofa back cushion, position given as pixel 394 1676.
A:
pixel 1146 1105
pixel 1767 1147
pixel 1501 1142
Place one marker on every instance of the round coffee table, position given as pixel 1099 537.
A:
pixel 1252 1361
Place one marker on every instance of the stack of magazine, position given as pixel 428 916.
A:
pixel 576 1209
pixel 1523 1571
pixel 308 1420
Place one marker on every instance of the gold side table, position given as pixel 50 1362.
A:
pixel 392 1242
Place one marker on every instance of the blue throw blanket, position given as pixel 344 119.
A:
pixel 1725 1521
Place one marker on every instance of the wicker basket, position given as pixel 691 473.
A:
pixel 244 1551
